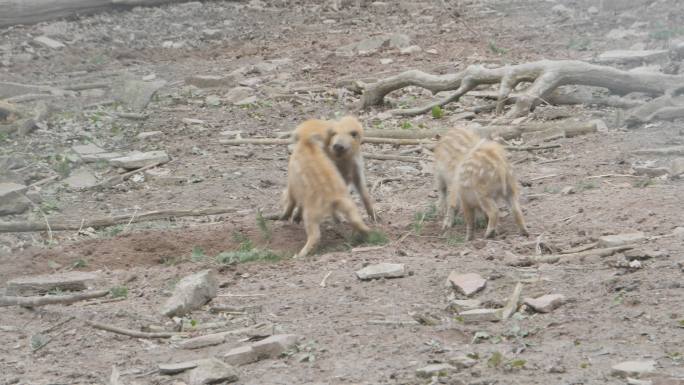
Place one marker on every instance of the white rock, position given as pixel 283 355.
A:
pixel 462 362
pixel 48 42
pixel 465 304
pixel 212 371
pixel 435 370
pixel 386 61
pixel 410 50
pixel 102 156
pixel 203 341
pixel 621 239
pixel 677 167
pixel 213 100
pixel 148 134
pixel 382 270
pixel 246 101
pixel 136 94
pixel 273 346
pixel 190 121
pixel 191 293
pixel 140 159
pixel 81 178
pixel 236 94
pixel 592 10
pixel 678 232
pixel 480 315
pixel 633 368
pixel 545 303
pixel 467 284
pixel 562 10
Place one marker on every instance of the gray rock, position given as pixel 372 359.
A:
pixel 191 293
pixel 562 10
pixel 678 232
pixel 461 362
pixel 371 44
pixel 638 254
pixel 467 284
pixel 212 33
pixel 203 341
pixel 136 94
pixel 382 270
pixel 275 345
pixel 87 149
pixel 622 5
pixel 238 93
pixel 210 81
pixel 651 171
pixel 12 199
pixel 407 170
pixel 633 369
pixel 386 61
pixel 41 284
pixel 178 367
pixel 567 190
pixel 621 239
pixel 241 356
pixel 677 167
pixel 399 40
pixel 140 159
pixel 246 101
pixel 148 134
pixel 435 370
pixel 212 371
pixel 592 10
pixel 545 303
pixel 81 178
pixel 620 33
pixel 100 157
pixel 480 315
pixel 410 50
pixel 11 162
pixel 213 101
pixel 465 304
pixel 627 56
pixel 9 89
pixel 48 42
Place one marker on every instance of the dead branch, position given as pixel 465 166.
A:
pixel 50 299
pixel 128 332
pixel 545 75
pixel 553 258
pixel 531 148
pixel 410 159
pixel 19 227
pixel 261 141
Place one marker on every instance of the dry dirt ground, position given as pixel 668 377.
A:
pixel 613 314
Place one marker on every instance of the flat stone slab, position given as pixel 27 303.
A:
pixel 102 156
pixel 274 345
pixel 633 368
pixel 140 159
pixel 87 149
pixel 81 178
pixel 203 341
pixel 621 239
pixel 480 315
pixel 48 42
pixel 382 270
pixel 9 190
pixel 545 303
pixel 178 367
pixel 435 370
pixel 468 284
pixel 41 284
pixel 212 371
pixel 241 356
pixel 148 134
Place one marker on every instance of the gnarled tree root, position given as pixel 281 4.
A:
pixel 545 77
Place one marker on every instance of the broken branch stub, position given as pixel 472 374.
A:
pixel 545 76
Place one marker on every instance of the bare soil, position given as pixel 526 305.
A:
pixel 612 315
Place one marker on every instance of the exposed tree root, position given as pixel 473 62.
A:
pixel 51 299
pixel 545 77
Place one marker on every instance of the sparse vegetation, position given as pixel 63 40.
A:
pixel 643 183
pixel 495 49
pixel 406 125
pixel 262 224
pixel 586 185
pixel 421 217
pixel 437 112
pixel 495 360
pixel 119 292
pixel 197 254
pixel 80 264
pixel 246 252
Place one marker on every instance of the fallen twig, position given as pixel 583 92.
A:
pixel 325 278
pixel 113 181
pixel 18 227
pixel 531 148
pixel 400 158
pixel 553 258
pixel 380 182
pixel 580 248
pixel 50 299
pixel 128 332
pixel 389 322
pixel 613 176
pixel 512 303
pixel 543 177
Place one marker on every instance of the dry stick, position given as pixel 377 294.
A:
pixel 19 227
pixel 380 182
pixel 410 159
pixel 553 258
pixel 120 178
pixel 580 248
pixel 543 177
pixel 241 295
pixel 613 175
pixel 51 299
pixel 43 181
pixel 325 278
pixel 86 86
pixel 389 322
pixel 130 333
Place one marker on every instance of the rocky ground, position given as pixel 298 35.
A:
pixel 91 99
